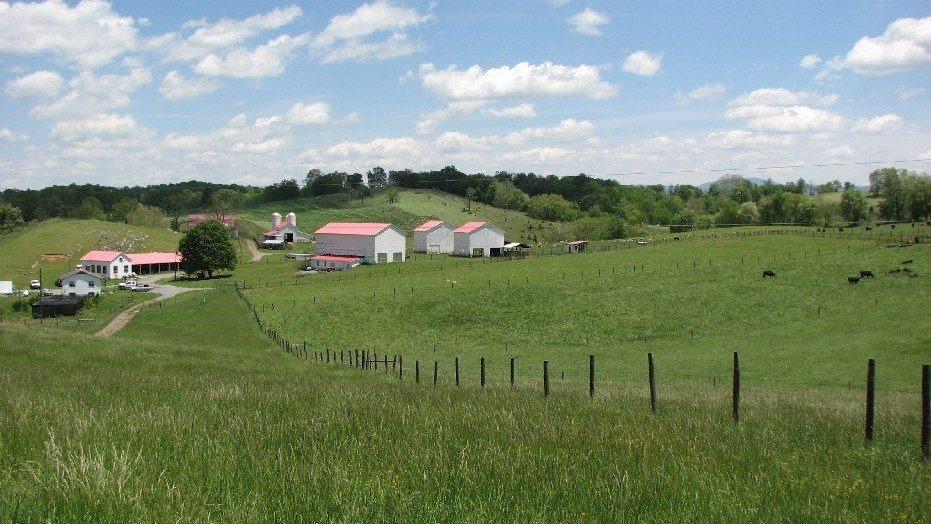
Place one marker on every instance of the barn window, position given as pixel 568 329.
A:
pixel 396 257
pixel 382 257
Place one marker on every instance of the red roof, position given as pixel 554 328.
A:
pixel 367 229
pixel 278 228
pixel 428 225
pixel 469 227
pixel 226 220
pixel 99 256
pixel 334 258
pixel 155 258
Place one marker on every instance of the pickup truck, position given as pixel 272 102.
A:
pixel 142 287
pixel 127 284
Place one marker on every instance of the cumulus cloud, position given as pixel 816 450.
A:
pixel 176 87
pixel 263 137
pixel 456 108
pixel 703 92
pixel 588 22
pixel 810 61
pixel 40 84
pixel 904 45
pixel 905 93
pixel 11 136
pixel 843 151
pixel 877 124
pixel 98 125
pixel 779 110
pixel 525 110
pixel 265 60
pixel 89 94
pixel 402 149
pixel 302 114
pixel 643 63
pixel 524 79
pixel 744 139
pixel 88 35
pixel 344 38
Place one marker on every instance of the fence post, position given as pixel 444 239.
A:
pixel 342 360
pixel 735 397
pixel 400 367
pixel 376 361
pixel 457 372
pixel 482 368
pixel 591 376
pixel 436 372
pixel 512 372
pixel 417 371
pixel 652 373
pixel 546 378
pixel 870 398
pixel 926 410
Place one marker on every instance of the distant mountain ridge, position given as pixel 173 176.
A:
pixel 755 181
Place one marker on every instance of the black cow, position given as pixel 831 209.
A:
pixel 909 261
pixel 866 273
pixel 769 273
pixel 840 229
pixel 868 228
pixel 675 238
pixel 892 226
pixel 907 270
pixel 894 271
pixel 853 280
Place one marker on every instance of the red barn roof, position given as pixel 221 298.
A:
pixel 469 227
pixel 428 225
pixel 226 220
pixel 155 258
pixel 335 258
pixel 99 256
pixel 367 229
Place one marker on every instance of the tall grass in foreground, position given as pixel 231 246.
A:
pixel 163 424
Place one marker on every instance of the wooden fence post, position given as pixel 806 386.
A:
pixel 457 372
pixel 376 360
pixel 546 378
pixel 400 367
pixel 482 370
pixel 342 359
pixel 591 376
pixel 926 410
pixel 652 373
pixel 870 398
pixel 417 371
pixel 512 372
pixel 735 396
pixel 436 372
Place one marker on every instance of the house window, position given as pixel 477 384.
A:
pixel 71 284
pixel 125 269
pixel 90 284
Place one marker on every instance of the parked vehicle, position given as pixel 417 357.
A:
pixel 46 292
pixel 127 284
pixel 35 284
pixel 142 287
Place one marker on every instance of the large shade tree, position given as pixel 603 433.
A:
pixel 206 248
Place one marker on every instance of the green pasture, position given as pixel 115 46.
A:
pixel 191 415
pixel 91 319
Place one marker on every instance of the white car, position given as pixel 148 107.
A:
pixel 142 287
pixel 129 284
pixel 35 284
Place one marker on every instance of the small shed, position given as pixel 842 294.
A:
pixel 576 246
pixel 478 239
pixel 334 262
pixel 515 249
pixel 57 306
pixel 81 282
pixel 434 236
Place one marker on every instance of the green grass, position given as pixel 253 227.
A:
pixel 21 251
pixel 412 209
pixel 91 319
pixel 176 420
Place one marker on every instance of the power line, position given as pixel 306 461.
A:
pixel 767 168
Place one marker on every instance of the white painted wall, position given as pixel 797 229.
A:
pixel 485 237
pixel 81 284
pixel 339 266
pixel 390 242
pixel 437 240
pixel 299 236
pixel 117 268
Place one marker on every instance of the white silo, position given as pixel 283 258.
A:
pixel 292 219
pixel 276 219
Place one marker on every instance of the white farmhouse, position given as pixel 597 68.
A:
pixel 478 239
pixel 107 264
pixel 434 236
pixel 81 283
pixel 372 243
pixel 284 231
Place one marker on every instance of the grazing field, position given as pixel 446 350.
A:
pixel 412 209
pixel 807 326
pixel 93 317
pixel 21 252
pixel 178 419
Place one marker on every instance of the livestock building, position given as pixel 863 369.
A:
pixel 371 243
pixel 81 283
pixel 434 236
pixel 116 264
pixel 478 239
pixel 284 232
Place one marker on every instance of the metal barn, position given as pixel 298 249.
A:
pixel 434 236
pixel 373 243
pixel 478 239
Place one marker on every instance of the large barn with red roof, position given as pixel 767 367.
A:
pixel 116 264
pixel 478 239
pixel 433 236
pixel 367 243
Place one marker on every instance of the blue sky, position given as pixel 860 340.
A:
pixel 127 93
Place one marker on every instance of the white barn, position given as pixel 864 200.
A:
pixel 372 243
pixel 434 236
pixel 478 239
pixel 284 231
pixel 82 283
pixel 333 262
pixel 108 264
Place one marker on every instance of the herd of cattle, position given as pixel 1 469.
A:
pixel 864 273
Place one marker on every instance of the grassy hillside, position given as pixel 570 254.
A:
pixel 836 196
pixel 21 251
pixel 177 420
pixel 412 209
pixel 691 303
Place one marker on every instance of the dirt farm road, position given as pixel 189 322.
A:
pixel 164 291
pixel 256 254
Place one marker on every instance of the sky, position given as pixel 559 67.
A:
pixel 660 92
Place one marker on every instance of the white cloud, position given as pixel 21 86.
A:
pixel 810 61
pixel 643 63
pixel 588 22
pixel 905 45
pixel 90 94
pixel 780 110
pixel 704 92
pixel 524 79
pixel 263 137
pixel 176 86
pixel 456 108
pixel 783 97
pixel 316 113
pixel 98 125
pixel 743 139
pixel 877 124
pixel 905 93
pixel 11 136
pixel 351 118
pixel 88 35
pixel 525 110
pixel 568 130
pixel 40 84
pixel 344 38
pixel 842 151
pixel 559 3
pixel 265 60
pixel 383 148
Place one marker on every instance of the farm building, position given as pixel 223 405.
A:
pixel 6 287
pixel 284 232
pixel 57 306
pixel 116 264
pixel 478 239
pixel 81 282
pixel 227 220
pixel 372 243
pixel 576 246
pixel 434 236
pixel 334 262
